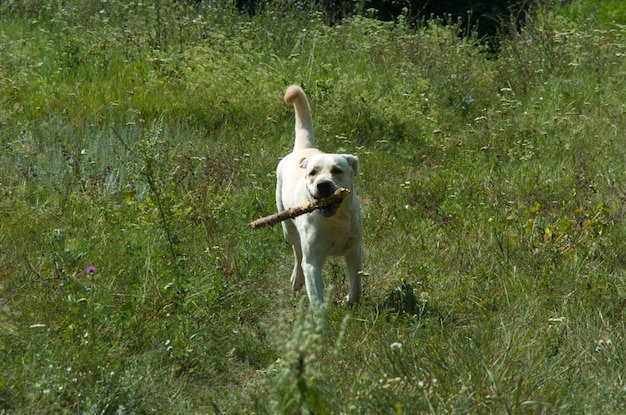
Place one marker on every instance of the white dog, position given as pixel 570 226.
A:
pixel 307 174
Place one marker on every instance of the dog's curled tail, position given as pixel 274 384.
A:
pixel 304 124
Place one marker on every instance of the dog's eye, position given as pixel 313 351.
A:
pixel 312 172
pixel 336 170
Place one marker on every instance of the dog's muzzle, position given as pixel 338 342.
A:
pixel 326 188
pixel 330 210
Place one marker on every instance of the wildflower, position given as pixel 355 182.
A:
pixel 90 269
pixel 603 344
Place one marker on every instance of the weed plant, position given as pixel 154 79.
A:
pixel 138 139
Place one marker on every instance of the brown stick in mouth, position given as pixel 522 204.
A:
pixel 309 206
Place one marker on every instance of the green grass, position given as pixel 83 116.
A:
pixel 141 138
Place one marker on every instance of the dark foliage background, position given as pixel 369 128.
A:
pixel 486 16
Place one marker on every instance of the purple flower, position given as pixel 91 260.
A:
pixel 90 269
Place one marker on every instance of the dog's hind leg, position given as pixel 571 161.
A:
pixel 291 235
pixel 297 276
pixel 353 263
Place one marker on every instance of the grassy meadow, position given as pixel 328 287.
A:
pixel 137 140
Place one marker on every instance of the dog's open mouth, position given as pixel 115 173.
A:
pixel 331 209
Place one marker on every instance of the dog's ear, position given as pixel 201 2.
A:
pixel 303 162
pixel 353 161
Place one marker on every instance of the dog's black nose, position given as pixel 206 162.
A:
pixel 325 188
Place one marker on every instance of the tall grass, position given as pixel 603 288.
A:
pixel 138 139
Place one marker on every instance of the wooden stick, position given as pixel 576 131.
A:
pixel 310 206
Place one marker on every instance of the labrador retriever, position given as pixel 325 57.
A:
pixel 305 174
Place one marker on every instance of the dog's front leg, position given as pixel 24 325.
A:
pixel 312 268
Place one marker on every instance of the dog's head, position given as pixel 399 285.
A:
pixel 325 173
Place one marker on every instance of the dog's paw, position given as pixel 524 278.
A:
pixel 297 279
pixel 347 301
